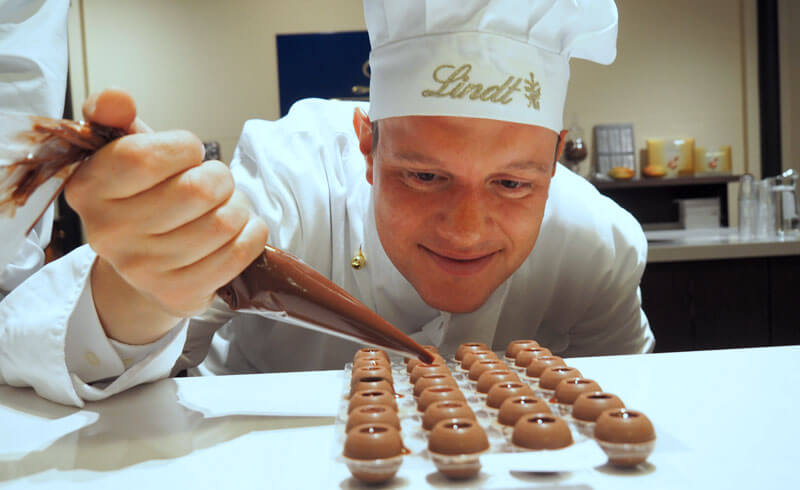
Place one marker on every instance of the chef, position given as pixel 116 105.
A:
pixel 33 79
pixel 439 204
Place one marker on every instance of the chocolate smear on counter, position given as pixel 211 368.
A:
pixel 59 143
pixel 277 282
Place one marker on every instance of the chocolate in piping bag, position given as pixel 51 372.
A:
pixel 43 153
pixel 280 286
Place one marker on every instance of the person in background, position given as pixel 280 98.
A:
pixel 33 80
pixel 448 192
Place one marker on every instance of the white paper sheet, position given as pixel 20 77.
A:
pixel 307 394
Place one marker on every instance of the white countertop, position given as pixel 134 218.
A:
pixel 713 244
pixel 724 419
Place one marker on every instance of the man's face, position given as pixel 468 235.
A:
pixel 459 202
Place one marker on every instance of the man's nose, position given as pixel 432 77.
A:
pixel 463 223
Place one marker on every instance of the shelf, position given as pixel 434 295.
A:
pixel 662 182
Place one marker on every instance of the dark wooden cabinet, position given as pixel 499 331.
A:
pixel 716 304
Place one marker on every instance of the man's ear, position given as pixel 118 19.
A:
pixel 562 138
pixel 363 129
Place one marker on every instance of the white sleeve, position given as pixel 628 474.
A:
pixel 33 79
pixel 52 340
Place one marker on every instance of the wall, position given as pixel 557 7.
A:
pixel 682 67
pixel 789 46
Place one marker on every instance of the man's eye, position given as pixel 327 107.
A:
pixel 423 176
pixel 510 184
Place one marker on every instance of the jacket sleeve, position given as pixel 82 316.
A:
pixel 52 340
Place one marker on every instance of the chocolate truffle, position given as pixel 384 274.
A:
pixel 371 372
pixel 490 378
pixel 484 365
pixel 568 389
pixel 422 369
pixel 370 353
pixel 371 362
pixel 506 389
pixel 372 397
pixel 541 431
pixel 553 375
pixel 469 347
pixel 589 406
pixel 450 440
pixel 447 409
pixel 528 354
pixel 373 442
pixel 516 406
pixel 539 364
pixel 515 345
pixel 430 348
pixel 627 436
pixel 434 394
pixel 475 356
pixel 371 384
pixel 372 414
pixel 433 380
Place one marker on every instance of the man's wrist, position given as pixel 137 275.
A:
pixel 126 314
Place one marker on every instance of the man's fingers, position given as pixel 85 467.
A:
pixel 134 164
pixel 188 196
pixel 222 265
pixel 111 107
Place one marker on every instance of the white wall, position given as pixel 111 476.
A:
pixel 207 65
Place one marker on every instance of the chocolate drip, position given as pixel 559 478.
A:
pixel 60 144
pixel 279 282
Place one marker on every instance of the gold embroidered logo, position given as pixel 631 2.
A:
pixel 533 91
pixel 455 82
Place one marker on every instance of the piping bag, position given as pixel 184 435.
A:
pixel 39 155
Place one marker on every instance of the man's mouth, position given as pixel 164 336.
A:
pixel 458 264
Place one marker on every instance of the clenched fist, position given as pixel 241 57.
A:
pixel 168 228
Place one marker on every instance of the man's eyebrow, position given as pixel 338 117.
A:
pixel 527 165
pixel 416 157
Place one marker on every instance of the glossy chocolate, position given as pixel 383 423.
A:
pixel 434 394
pixel 491 378
pixel 469 347
pixel 537 365
pixel 541 431
pixel 372 414
pixel 457 436
pixel 447 409
pixel 515 345
pixel 517 406
pixel 506 389
pixel 526 355
pixel 435 379
pixel 568 390
pixel 589 406
pixel 278 282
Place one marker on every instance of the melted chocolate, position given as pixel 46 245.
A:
pixel 60 144
pixel 279 282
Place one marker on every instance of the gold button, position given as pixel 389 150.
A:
pixel 358 260
pixel 92 358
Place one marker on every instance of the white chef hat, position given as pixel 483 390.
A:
pixel 496 59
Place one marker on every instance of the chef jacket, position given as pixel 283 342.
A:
pixel 577 293
pixel 33 80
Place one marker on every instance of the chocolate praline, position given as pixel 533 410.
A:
pixel 568 389
pixel 372 397
pixel 469 347
pixel 374 442
pixel 372 414
pixel 447 409
pixel 482 366
pixel 553 375
pixel 539 364
pixel 515 407
pixel 490 378
pixel 451 438
pixel 371 384
pixel 371 372
pixel 434 394
pixel 515 345
pixel 528 354
pixel 370 353
pixel 541 431
pixel 429 380
pixel 474 356
pixel 626 436
pixel 589 406
pixel 506 389
pixel 422 369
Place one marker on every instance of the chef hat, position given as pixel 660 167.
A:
pixel 497 59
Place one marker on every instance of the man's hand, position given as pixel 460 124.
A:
pixel 168 228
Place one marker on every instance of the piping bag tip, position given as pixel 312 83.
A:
pixel 280 286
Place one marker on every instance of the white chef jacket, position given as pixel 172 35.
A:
pixel 33 80
pixel 577 293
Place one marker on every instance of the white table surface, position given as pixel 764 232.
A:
pixel 724 419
